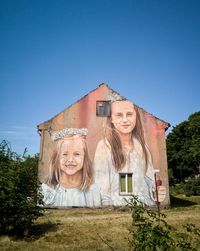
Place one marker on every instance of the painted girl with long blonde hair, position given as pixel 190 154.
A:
pixel 123 163
pixel 70 178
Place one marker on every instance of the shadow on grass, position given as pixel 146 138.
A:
pixel 38 230
pixel 180 202
pixel 35 232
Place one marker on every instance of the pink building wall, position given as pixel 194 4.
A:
pixel 82 114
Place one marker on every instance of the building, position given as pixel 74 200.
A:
pixel 91 112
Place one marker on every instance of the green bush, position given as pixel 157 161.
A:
pixel 19 197
pixel 192 187
pixel 178 189
pixel 189 188
pixel 151 232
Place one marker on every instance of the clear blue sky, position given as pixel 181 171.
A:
pixel 54 52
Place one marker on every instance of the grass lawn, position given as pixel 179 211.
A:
pixel 94 229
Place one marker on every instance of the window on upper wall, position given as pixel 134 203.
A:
pixel 126 183
pixel 103 108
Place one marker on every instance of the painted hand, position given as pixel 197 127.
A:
pixel 161 193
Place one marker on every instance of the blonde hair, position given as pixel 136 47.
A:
pixel 118 156
pixel 54 169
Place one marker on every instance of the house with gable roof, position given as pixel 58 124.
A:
pixel 91 112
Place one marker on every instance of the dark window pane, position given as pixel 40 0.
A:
pixel 103 108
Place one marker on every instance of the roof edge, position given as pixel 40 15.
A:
pixel 39 126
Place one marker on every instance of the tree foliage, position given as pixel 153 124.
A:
pixel 19 197
pixel 183 148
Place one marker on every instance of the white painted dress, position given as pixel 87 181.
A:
pixel 70 197
pixel 108 180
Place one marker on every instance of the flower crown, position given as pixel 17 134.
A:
pixel 68 132
pixel 114 97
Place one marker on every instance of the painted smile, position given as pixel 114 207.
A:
pixel 70 167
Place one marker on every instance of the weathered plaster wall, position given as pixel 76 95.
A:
pixel 82 114
pixel 155 136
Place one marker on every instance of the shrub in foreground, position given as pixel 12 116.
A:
pixel 19 197
pixel 151 232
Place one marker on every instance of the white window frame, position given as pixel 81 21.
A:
pixel 126 183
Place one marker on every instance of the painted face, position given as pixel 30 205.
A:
pixel 123 116
pixel 71 155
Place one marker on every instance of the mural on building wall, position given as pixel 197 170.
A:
pixel 126 146
pixel 70 179
pixel 122 162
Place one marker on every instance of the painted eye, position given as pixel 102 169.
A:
pixel 119 115
pixel 76 154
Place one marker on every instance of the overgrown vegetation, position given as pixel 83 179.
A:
pixel 189 188
pixel 76 229
pixel 19 195
pixel 151 231
pixel 183 150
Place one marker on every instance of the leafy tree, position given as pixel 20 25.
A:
pixel 183 148
pixel 19 197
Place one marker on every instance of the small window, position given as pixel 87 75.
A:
pixel 126 183
pixel 103 108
